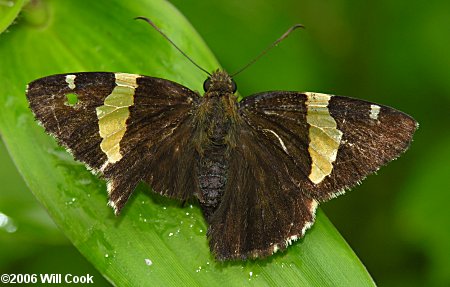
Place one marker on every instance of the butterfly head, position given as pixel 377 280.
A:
pixel 219 82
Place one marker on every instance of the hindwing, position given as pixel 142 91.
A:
pixel 262 210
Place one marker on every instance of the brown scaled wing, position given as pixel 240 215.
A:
pixel 157 133
pixel 269 200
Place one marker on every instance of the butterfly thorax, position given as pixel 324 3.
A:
pixel 216 117
pixel 216 122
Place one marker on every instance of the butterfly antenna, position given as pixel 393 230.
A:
pixel 171 42
pixel 269 48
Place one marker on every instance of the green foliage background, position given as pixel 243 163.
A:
pixel 391 52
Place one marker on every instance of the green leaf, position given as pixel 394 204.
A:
pixel 9 9
pixel 155 241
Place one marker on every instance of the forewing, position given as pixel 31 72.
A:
pixel 262 210
pixel 74 126
pixel 120 126
pixel 330 143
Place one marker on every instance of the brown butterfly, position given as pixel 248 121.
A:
pixel 258 167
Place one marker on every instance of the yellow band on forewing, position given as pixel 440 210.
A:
pixel 374 111
pixel 324 137
pixel 70 80
pixel 112 116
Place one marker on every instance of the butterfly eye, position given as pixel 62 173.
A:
pixel 207 84
pixel 233 86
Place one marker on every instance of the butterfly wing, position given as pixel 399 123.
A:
pixel 330 142
pixel 262 210
pixel 126 127
pixel 295 150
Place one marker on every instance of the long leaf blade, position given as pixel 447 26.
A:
pixel 154 241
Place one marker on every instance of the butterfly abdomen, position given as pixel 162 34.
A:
pixel 214 125
pixel 213 168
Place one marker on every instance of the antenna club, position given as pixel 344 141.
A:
pixel 298 26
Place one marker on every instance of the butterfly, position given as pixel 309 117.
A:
pixel 258 167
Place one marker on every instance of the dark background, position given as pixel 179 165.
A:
pixel 395 53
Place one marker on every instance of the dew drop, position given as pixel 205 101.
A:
pixel 148 262
pixel 7 223
pixel 71 201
